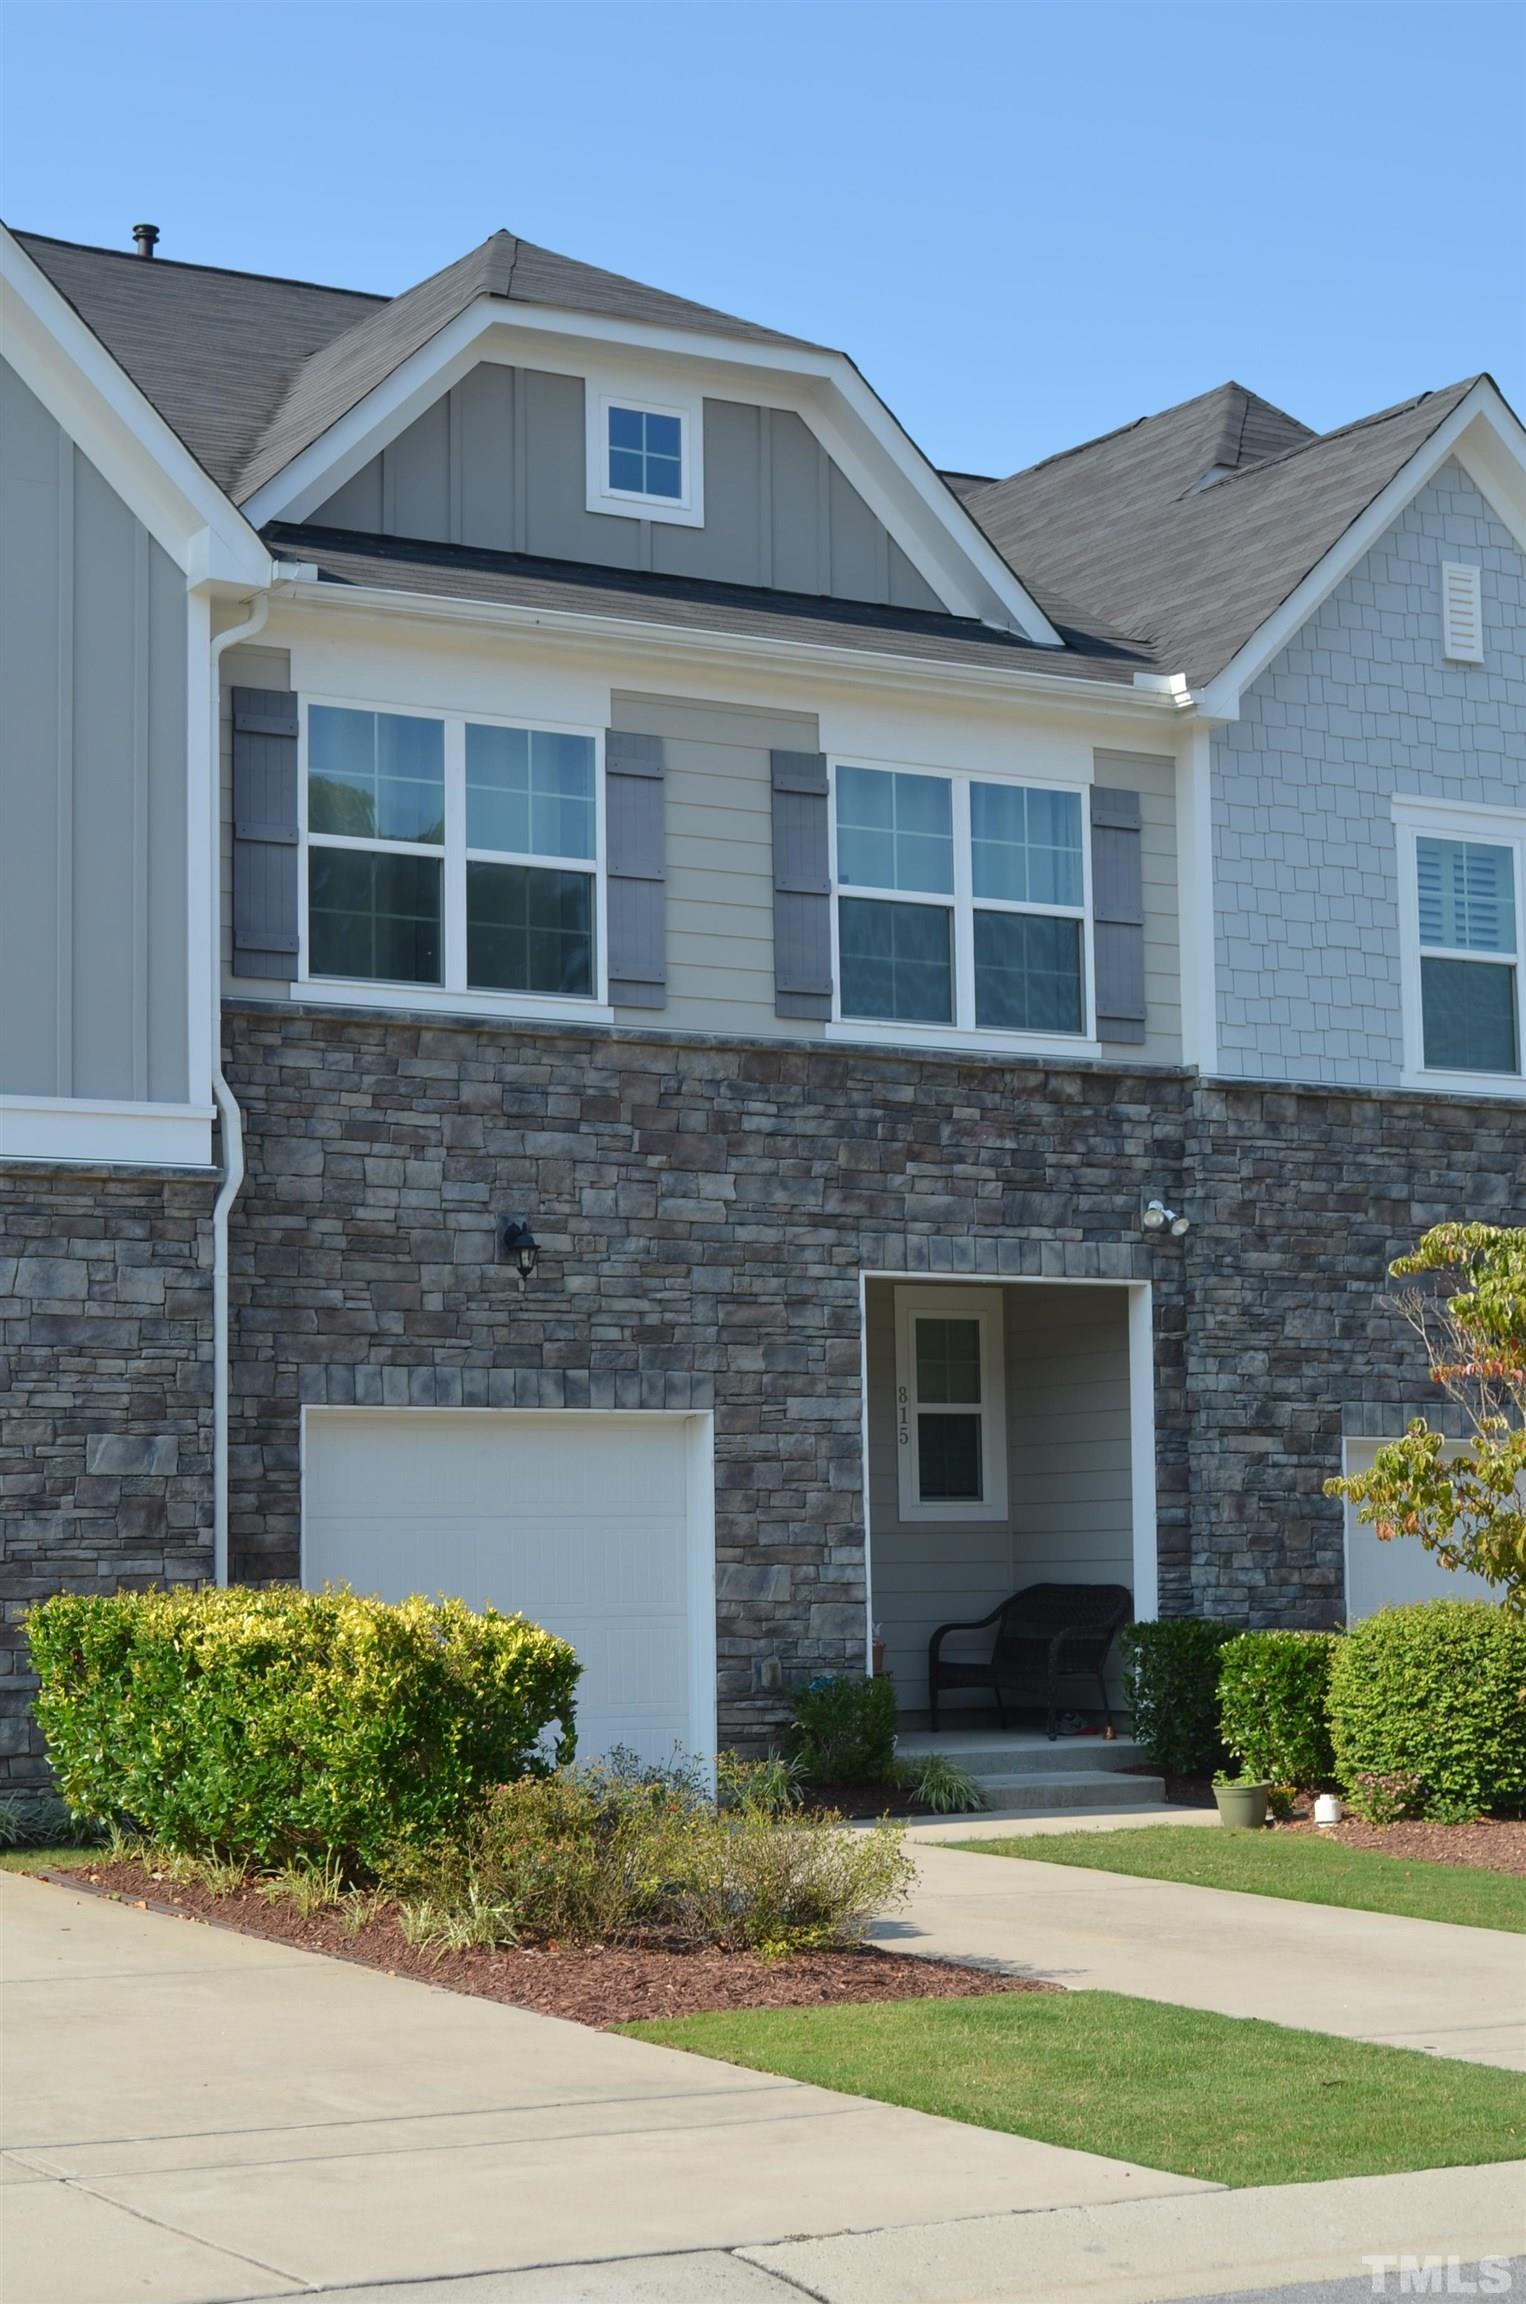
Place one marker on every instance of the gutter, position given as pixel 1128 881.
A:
pixel 230 1119
pixel 1152 691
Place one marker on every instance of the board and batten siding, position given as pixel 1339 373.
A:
pixel 500 462
pixel 1069 1488
pixel 719 858
pixel 93 856
pixel 1153 776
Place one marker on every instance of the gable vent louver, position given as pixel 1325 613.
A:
pixel 1462 613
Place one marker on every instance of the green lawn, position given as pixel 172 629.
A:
pixel 1216 2097
pixel 46 1859
pixel 1288 1864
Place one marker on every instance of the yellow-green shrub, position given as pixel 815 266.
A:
pixel 268 1725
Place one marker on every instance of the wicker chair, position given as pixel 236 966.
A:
pixel 1044 1634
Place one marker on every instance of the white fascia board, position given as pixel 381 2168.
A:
pixel 923 676
pixel 1483 433
pixel 900 485
pixel 84 389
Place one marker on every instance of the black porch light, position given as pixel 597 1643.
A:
pixel 520 1246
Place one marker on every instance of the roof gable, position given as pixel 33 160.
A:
pixel 336 378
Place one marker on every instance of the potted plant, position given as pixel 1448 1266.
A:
pixel 1241 1801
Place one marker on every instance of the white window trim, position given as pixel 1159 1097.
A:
pixel 685 511
pixel 1415 818
pixel 983 1305
pixel 453 995
pixel 963 1032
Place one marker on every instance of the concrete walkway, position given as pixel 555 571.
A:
pixel 1366 1975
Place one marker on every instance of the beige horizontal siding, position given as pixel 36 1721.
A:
pixel 720 888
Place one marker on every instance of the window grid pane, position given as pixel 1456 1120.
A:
pixel 1028 973
pixel 1468 1012
pixel 949 1469
pixel 1026 845
pixel 896 961
pixel 948 1362
pixel 1467 895
pixel 895 831
pixel 528 792
pixel 529 930
pixel 646 453
pixel 375 775
pixel 374 916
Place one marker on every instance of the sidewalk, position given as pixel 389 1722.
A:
pixel 1365 1975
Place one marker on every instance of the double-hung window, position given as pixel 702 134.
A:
pixel 951 1448
pixel 1465 873
pixel 960 902
pixel 453 853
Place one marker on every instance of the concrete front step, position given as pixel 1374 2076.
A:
pixel 1032 1795
pixel 1024 1754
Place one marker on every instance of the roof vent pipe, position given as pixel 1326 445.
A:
pixel 145 235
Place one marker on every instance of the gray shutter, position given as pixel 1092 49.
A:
pixel 802 885
pixel 264 833
pixel 1118 914
pixel 633 831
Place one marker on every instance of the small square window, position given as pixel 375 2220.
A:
pixel 646 454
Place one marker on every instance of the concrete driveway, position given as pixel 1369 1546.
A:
pixel 190 2114
pixel 192 2117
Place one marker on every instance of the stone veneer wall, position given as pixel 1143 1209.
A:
pixel 105 1401
pixel 704 1214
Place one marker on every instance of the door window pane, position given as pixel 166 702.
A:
pixel 375 775
pixel 948 1361
pixel 1467 895
pixel 948 1459
pixel 529 793
pixel 1026 846
pixel 529 930
pixel 1027 973
pixel 1469 1016
pixel 896 961
pixel 895 831
pixel 376 916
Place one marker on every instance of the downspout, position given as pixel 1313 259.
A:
pixel 229 1119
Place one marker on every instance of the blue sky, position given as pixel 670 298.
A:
pixel 1028 223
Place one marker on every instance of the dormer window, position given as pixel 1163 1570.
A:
pixel 645 451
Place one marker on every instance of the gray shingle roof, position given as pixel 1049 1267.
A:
pixel 213 351
pixel 249 371
pixel 1122 528
pixel 333 380
pixel 459 572
pixel 1134 560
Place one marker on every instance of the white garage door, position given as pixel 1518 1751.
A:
pixel 1391 1575
pixel 597 1527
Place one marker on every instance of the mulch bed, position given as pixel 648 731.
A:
pixel 860 1800
pixel 611 1984
pixel 1494 1844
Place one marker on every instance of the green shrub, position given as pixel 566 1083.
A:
pixel 1171 1674
pixel 1274 1706
pixel 842 1731
pixel 1433 1696
pixel 939 1784
pixel 596 1858
pixel 275 1726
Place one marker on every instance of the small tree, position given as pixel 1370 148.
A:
pixel 1470 1316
